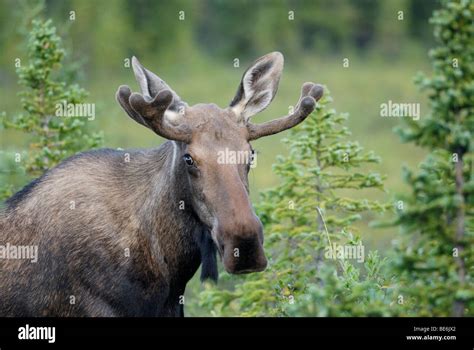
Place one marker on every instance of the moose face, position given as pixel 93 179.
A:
pixel 217 161
pixel 214 145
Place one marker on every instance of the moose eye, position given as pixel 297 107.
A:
pixel 188 159
pixel 251 160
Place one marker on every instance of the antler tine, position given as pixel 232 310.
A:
pixel 310 93
pixel 153 113
pixel 123 96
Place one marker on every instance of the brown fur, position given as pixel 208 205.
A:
pixel 82 250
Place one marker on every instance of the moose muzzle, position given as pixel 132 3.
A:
pixel 243 253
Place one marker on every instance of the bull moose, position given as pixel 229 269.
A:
pixel 120 233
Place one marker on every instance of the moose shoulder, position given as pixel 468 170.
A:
pixel 120 233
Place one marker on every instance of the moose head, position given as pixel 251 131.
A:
pixel 218 187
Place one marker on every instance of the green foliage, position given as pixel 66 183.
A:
pixel 52 138
pixel 451 88
pixel 434 257
pixel 304 217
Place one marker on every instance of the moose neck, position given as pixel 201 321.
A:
pixel 165 213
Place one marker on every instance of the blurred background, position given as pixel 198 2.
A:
pixel 366 52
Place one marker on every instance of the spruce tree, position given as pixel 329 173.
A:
pixel 45 86
pixel 435 255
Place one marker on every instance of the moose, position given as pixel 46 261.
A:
pixel 120 233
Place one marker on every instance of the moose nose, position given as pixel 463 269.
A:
pixel 244 255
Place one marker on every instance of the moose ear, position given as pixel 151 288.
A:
pixel 258 86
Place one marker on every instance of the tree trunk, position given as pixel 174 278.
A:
pixel 458 308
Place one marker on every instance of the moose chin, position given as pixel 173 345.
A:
pixel 120 233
